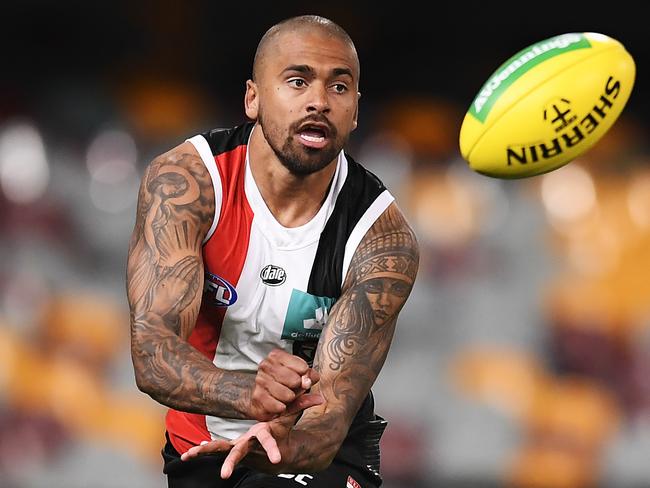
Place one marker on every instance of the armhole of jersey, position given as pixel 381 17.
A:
pixel 205 152
pixel 378 207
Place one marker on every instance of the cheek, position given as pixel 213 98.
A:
pixel 394 300
pixel 372 298
pixel 278 102
pixel 349 116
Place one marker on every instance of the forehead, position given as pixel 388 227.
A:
pixel 315 48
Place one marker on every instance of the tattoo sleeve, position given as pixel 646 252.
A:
pixel 164 287
pixel 355 342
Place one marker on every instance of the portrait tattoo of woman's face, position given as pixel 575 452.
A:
pixel 385 297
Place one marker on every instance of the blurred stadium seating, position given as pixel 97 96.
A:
pixel 521 360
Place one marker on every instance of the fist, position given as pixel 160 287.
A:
pixel 281 386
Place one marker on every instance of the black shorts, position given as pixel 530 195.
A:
pixel 204 472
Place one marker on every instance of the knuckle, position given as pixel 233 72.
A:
pixel 295 382
pixel 287 397
pixel 264 365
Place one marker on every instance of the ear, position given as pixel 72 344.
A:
pixel 356 112
pixel 251 100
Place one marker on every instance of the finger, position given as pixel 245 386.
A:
pixel 266 408
pixel 305 401
pixel 236 454
pixel 189 269
pixel 306 382
pixel 269 444
pixel 279 391
pixel 280 373
pixel 218 445
pixel 314 376
pixel 293 362
pixel 182 265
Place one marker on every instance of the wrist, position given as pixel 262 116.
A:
pixel 231 391
pixel 304 452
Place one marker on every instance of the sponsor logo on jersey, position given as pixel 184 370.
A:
pixel 218 291
pixel 273 275
pixel 352 483
pixel 301 479
pixel 306 316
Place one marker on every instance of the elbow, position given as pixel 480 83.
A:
pixel 321 463
pixel 142 373
pixel 143 384
pixel 146 385
pixel 324 459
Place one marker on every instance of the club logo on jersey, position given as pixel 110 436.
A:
pixel 273 275
pixel 306 316
pixel 219 291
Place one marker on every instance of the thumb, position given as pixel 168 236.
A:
pixel 304 402
pixel 314 376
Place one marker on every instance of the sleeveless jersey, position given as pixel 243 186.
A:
pixel 268 286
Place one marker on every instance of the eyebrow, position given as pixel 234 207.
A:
pixel 308 70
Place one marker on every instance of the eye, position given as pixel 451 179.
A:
pixel 340 88
pixel 297 82
pixel 373 286
pixel 400 288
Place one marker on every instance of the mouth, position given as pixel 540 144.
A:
pixel 314 134
pixel 381 315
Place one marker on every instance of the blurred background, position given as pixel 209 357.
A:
pixel 522 359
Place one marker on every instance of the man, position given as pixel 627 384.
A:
pixel 266 272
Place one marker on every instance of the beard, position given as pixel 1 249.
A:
pixel 298 159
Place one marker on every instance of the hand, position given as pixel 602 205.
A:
pixel 281 384
pixel 176 288
pixel 259 434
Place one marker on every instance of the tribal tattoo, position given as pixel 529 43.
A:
pixel 355 342
pixel 164 286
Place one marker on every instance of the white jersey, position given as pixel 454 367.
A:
pixel 268 286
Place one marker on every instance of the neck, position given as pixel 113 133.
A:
pixel 292 199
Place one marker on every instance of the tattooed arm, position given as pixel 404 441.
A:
pixel 351 352
pixel 355 342
pixel 176 206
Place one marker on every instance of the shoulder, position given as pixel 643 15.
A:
pixel 183 155
pixel 178 178
pixel 188 156
pixel 388 250
pixel 223 140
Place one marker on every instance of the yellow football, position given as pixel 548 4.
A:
pixel 546 105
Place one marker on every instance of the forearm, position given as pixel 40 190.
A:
pixel 175 374
pixel 306 447
pixel 313 443
pixel 350 354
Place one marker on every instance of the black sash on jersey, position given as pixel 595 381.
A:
pixel 360 190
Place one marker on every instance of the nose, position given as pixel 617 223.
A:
pixel 318 99
pixel 384 299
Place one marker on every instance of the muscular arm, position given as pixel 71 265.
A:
pixel 165 284
pixel 357 337
pixel 350 354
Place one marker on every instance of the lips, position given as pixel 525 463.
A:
pixel 315 127
pixel 381 315
pixel 314 134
